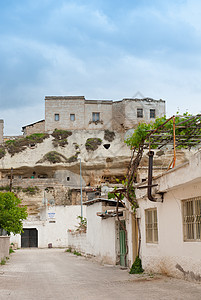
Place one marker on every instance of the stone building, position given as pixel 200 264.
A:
pixel 1 131
pixel 77 113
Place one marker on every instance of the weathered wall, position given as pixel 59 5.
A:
pixel 1 131
pixel 100 239
pixel 4 246
pixel 117 115
pixel 53 230
pixel 131 106
pixel 38 127
pixel 105 110
pixel 172 255
pixel 64 106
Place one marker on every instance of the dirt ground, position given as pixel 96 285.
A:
pixel 55 274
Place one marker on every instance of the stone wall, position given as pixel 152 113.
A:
pixel 38 127
pixel 64 107
pixel 4 246
pixel 75 113
pixel 1 131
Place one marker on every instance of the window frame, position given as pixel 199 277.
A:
pixel 152 113
pixel 151 228
pixel 72 119
pixel 95 116
pixel 55 117
pixel 140 112
pixel 191 219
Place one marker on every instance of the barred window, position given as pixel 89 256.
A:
pixel 192 219
pixel 139 113
pixel 152 113
pixel 151 225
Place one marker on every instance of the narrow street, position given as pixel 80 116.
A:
pixel 54 274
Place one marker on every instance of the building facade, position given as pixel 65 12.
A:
pixel 77 113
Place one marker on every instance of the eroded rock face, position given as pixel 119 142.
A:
pixel 59 181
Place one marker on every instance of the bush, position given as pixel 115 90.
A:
pixel 136 266
pixel 109 135
pixel 92 144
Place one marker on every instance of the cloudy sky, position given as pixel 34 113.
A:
pixel 101 49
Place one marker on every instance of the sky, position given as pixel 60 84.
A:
pixel 100 49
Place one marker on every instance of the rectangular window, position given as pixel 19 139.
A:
pixel 56 117
pixel 95 116
pixel 152 113
pixel 151 225
pixel 139 113
pixel 192 219
pixel 72 117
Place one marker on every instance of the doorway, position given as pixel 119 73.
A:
pixel 29 238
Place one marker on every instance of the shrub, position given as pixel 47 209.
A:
pixel 60 137
pixel 92 144
pixel 109 135
pixel 136 266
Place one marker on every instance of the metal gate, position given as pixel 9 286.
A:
pixel 122 240
pixel 29 238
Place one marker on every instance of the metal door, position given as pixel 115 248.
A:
pixel 122 240
pixel 29 238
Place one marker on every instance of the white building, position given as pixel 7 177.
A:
pixel 171 229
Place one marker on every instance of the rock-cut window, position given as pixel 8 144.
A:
pixel 95 116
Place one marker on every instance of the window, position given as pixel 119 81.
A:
pixel 68 178
pixel 139 113
pixel 95 116
pixel 56 117
pixel 72 117
pixel 152 113
pixel 151 225
pixel 192 219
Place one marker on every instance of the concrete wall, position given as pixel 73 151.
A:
pixel 1 131
pixel 4 246
pixel 53 230
pixel 100 239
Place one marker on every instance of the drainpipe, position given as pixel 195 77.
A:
pixel 150 171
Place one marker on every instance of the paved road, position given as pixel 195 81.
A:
pixel 42 274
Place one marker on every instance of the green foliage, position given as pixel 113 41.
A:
pixel 11 214
pixel 92 144
pixel 69 250
pixel 77 253
pixel 3 262
pixel 136 266
pixel 109 135
pixel 31 190
pixel 141 133
pixel 18 145
pixel 82 226
pixel 5 188
pixel 60 137
pixel 11 251
pixel 2 152
pixel 53 157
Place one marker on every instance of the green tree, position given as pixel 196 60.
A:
pixel 11 213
